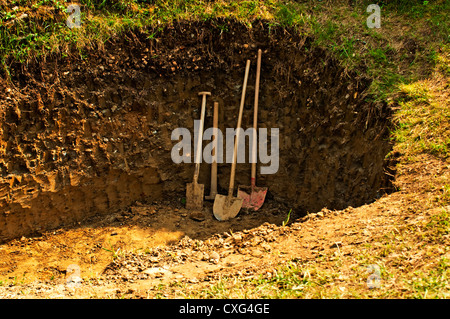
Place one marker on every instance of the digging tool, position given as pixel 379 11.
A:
pixel 194 191
pixel 213 192
pixel 254 196
pixel 226 207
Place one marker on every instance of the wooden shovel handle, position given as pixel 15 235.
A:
pixel 200 136
pixel 255 119
pixel 236 140
pixel 214 152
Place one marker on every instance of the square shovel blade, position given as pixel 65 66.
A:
pixel 253 198
pixel 226 207
pixel 194 196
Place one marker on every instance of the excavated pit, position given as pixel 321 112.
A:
pixel 92 135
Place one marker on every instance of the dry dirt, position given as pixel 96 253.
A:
pixel 159 244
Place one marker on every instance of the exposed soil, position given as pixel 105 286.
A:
pixel 91 136
pixel 86 167
pixel 94 242
pixel 190 255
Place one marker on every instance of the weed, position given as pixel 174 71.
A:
pixel 114 253
pixel 286 221
pixel 287 14
pixel 439 225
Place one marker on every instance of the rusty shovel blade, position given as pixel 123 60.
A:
pixel 253 197
pixel 194 196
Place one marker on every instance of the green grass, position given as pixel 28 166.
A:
pixel 337 27
pixel 423 118
pixel 286 281
pixel 433 284
pixel 286 221
pixel 439 225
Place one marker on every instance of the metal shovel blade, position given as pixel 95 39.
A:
pixel 194 196
pixel 253 197
pixel 226 207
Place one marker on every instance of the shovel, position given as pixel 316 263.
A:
pixel 213 192
pixel 194 191
pixel 254 196
pixel 226 207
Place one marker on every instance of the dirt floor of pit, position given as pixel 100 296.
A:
pixel 120 255
pixel 93 243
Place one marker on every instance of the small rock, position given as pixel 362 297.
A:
pixel 199 255
pixel 255 241
pixel 237 238
pixel 270 238
pixel 214 257
pixel 22 16
pixel 156 271
pixel 113 218
pixel 153 259
pixel 204 256
pixel 197 216
pixel 257 253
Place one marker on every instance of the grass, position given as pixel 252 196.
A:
pixel 334 25
pixel 286 281
pixel 423 118
pixel 14 281
pixel 114 252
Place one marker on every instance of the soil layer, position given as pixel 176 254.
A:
pixel 91 135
